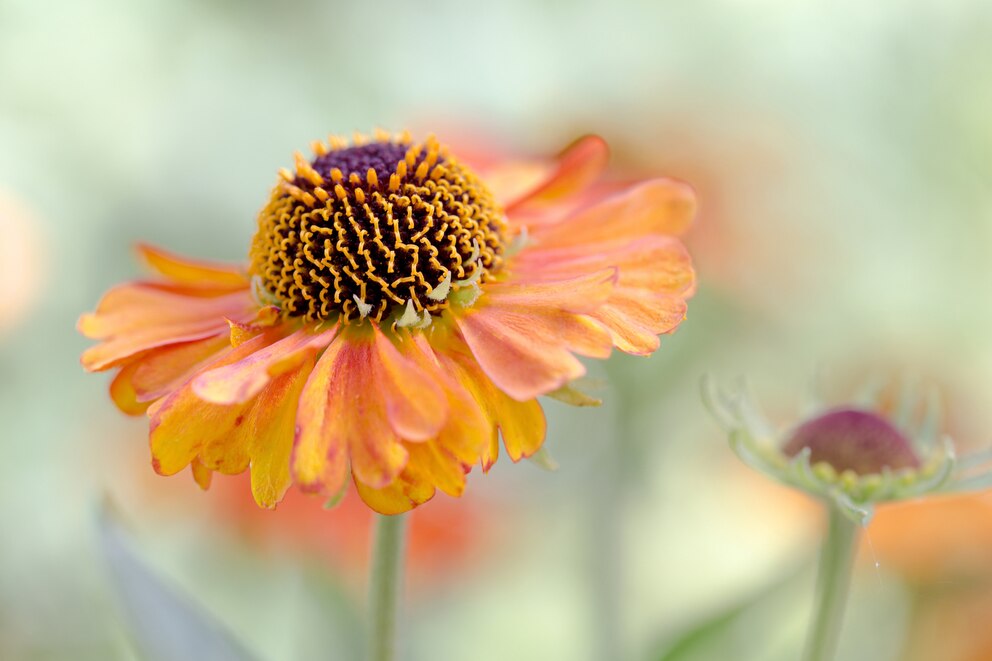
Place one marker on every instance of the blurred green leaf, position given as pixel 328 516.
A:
pixel 165 625
pixel 763 627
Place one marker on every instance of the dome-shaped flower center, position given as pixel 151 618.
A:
pixel 851 439
pixel 375 229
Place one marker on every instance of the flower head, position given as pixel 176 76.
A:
pixel 853 456
pixel 399 315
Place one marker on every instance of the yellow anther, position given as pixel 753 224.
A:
pixel 394 183
pixel 321 194
pixel 340 192
pixel 371 177
pixel 421 171
pixel 401 170
pixel 360 196
pixel 336 175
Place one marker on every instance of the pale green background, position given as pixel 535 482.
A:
pixel 842 154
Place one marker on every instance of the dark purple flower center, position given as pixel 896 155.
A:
pixel 379 156
pixel 852 439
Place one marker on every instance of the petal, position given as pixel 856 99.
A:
pixel 320 460
pixel 132 319
pixel 527 351
pixel 182 424
pixel 657 206
pixel 161 371
pixel 269 429
pixel 511 181
pixel 467 432
pixel 343 415
pixel 578 166
pixel 436 466
pixel 123 393
pixel 401 495
pixel 201 474
pixel 635 318
pixel 183 270
pixel 240 381
pixel 118 351
pixel 415 404
pixel 658 263
pixel 135 306
pixel 522 424
pixel 582 293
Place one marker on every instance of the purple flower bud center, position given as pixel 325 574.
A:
pixel 379 156
pixel 851 439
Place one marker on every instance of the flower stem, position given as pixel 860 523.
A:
pixel 833 580
pixel 387 573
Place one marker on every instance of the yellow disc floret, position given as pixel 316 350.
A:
pixel 375 228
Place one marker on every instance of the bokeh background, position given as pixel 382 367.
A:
pixel 842 153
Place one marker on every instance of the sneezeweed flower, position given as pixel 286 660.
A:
pixel 852 457
pixel 399 313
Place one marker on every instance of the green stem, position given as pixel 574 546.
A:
pixel 833 580
pixel 387 573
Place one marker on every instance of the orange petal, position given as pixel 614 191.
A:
pixel 401 495
pixel 658 263
pixel 580 293
pixel 415 403
pixel 635 318
pixel 135 306
pixel 437 467
pixel 182 424
pixel 269 431
pixel 240 381
pixel 183 270
pixel 132 319
pixel 343 415
pixel 527 352
pixel 511 181
pixel 201 474
pixel 521 424
pixel 118 351
pixel 578 166
pixel 657 206
pixel 161 371
pixel 123 393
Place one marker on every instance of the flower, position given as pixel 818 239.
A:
pixel 399 314
pixel 855 455
pixel 442 538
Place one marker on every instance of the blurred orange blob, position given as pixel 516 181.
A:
pixel 21 262
pixel 942 547
pixel 938 540
pixel 444 535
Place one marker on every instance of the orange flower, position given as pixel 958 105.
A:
pixel 397 317
pixel 448 535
